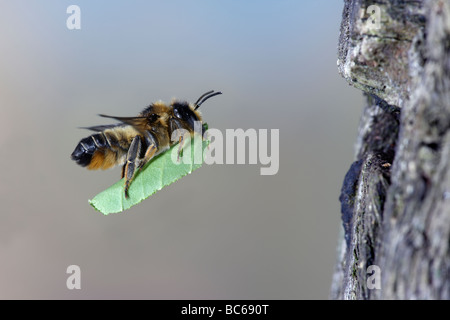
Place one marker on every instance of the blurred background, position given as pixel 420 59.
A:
pixel 223 232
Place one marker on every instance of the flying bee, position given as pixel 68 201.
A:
pixel 136 140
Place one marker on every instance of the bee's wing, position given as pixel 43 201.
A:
pixel 102 127
pixel 140 123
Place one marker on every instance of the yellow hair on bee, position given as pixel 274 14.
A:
pixel 103 159
pixel 110 159
pixel 97 160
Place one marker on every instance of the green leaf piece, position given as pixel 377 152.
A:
pixel 155 175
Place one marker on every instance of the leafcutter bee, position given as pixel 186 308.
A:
pixel 136 140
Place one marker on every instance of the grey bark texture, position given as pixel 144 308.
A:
pixel 395 199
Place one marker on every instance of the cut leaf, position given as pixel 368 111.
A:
pixel 158 173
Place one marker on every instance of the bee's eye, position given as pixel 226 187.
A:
pixel 153 117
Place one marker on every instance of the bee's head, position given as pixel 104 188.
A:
pixel 183 111
pixel 189 114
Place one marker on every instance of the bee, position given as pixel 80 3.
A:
pixel 136 140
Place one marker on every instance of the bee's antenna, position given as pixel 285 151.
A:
pixel 205 94
pixel 205 97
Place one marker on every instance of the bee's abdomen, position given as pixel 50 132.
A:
pixel 96 152
pixel 83 152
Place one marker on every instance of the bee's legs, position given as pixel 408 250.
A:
pixel 176 125
pixel 152 142
pixel 180 147
pixel 123 170
pixel 151 150
pixel 133 162
pixel 181 141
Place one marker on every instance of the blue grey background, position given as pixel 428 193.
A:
pixel 224 232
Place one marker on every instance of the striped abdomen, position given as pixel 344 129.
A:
pixel 105 149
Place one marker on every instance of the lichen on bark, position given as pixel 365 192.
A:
pixel 401 212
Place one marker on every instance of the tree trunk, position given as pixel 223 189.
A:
pixel 395 199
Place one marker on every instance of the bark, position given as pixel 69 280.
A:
pixel 395 199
